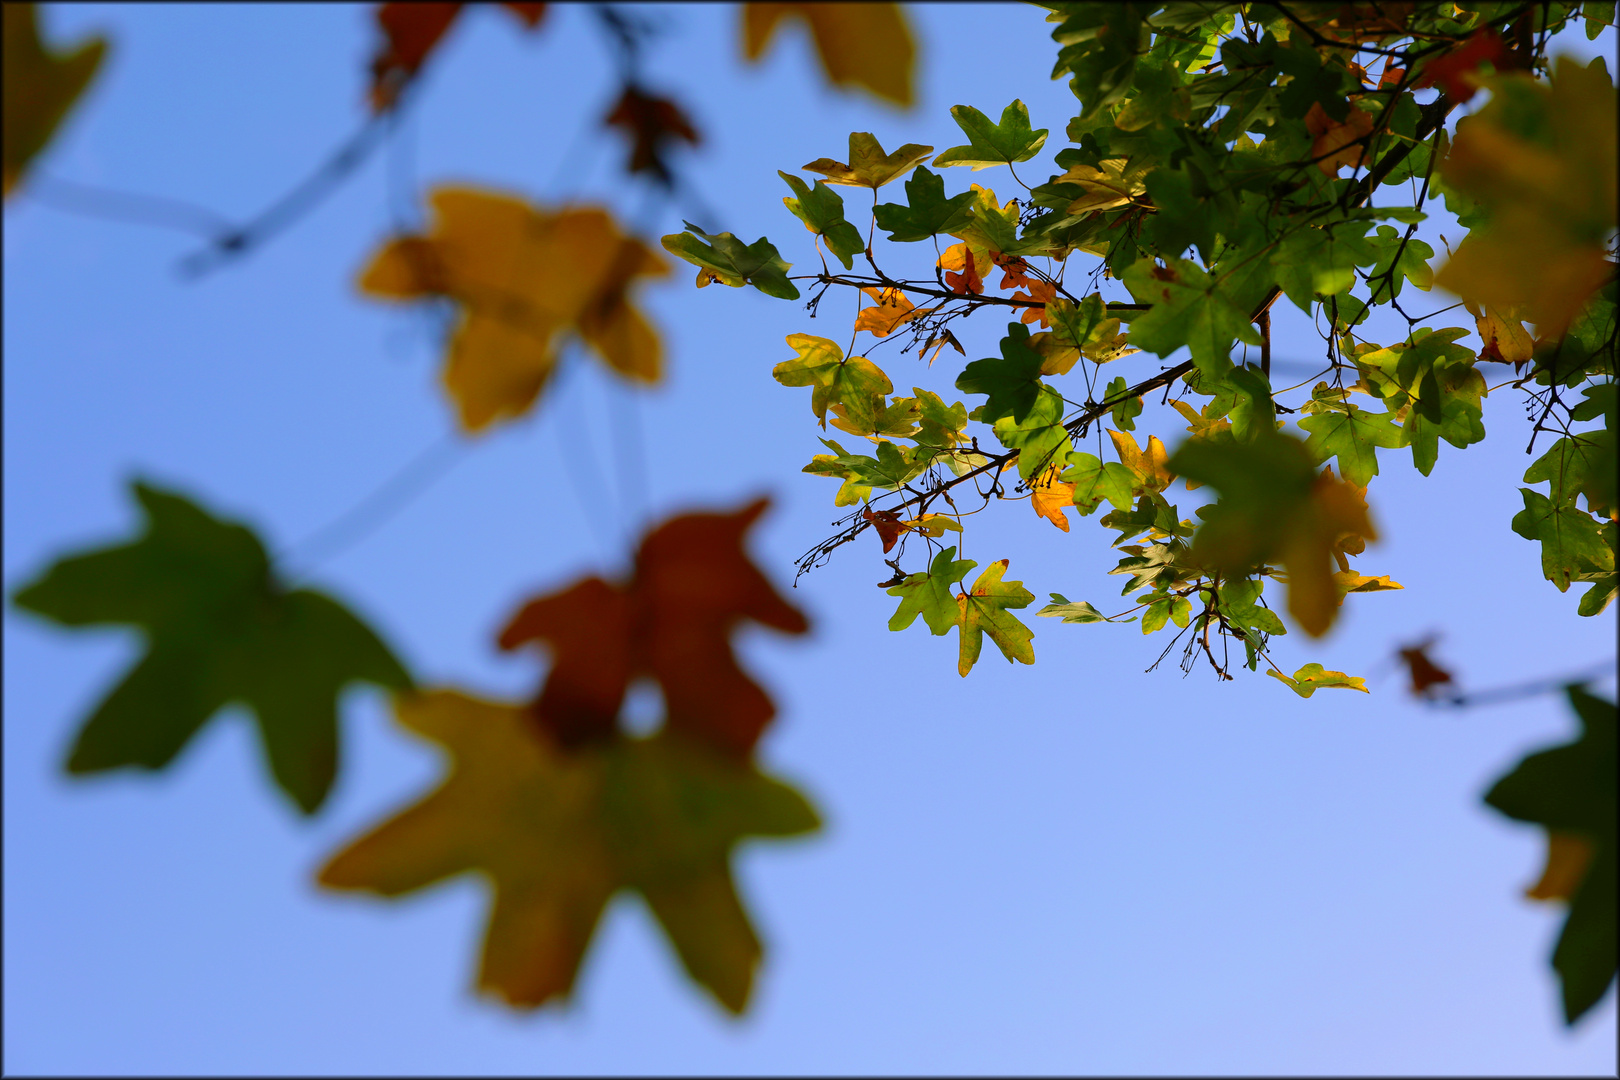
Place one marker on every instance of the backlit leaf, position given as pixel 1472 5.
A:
pixel 993 144
pixel 220 629
pixel 859 44
pixel 985 610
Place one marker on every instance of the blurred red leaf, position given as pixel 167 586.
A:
pixel 673 621
pixel 1455 70
pixel 1426 674
pixel 411 32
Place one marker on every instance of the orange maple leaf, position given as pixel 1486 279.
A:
pixel 1337 143
pixel 971 267
pixel 672 621
pixel 893 310
pixel 1049 495
pixel 1042 292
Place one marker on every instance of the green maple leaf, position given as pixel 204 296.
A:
pixel 985 611
pixel 1571 789
pixel 929 212
pixel 1570 465
pixel 1403 260
pixel 1313 262
pixel 868 165
pixel 856 383
pixel 1070 611
pixel 1190 308
pixel 41 86
pixel 822 211
pixel 1574 545
pixel 220 630
pixel 1352 437
pixel 1012 380
pixel 734 263
pixel 1125 413
pixel 1040 438
pixel 940 425
pixel 1095 480
pixel 1239 602
pixel 930 596
pixel 993 144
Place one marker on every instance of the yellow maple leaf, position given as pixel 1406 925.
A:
pixel 41 86
pixel 892 310
pixel 1551 203
pixel 1049 495
pixel 1109 184
pixel 1504 335
pixel 525 278
pixel 1148 465
pixel 865 45
pixel 556 833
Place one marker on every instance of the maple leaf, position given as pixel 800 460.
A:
pixel 855 383
pixel 1338 144
pixel 892 311
pixel 1505 339
pixel 1550 200
pixel 969 266
pixel 1149 467
pixel 888 525
pixel 1457 69
pixel 929 594
pixel 1570 790
pixel 1107 185
pixel 1424 672
pixel 219 629
pixel 1191 308
pixel 859 44
pixel 1069 611
pixel 1274 506
pixel 927 211
pixel 410 34
pixel 1012 381
pixel 1093 480
pixel 1041 292
pixel 652 123
pixel 693 584
pixel 985 610
pixel 868 165
pixel 557 833
pixel 726 259
pixel 993 144
pixel 1049 495
pixel 525 278
pixel 1313 677
pixel 822 211
pixel 41 86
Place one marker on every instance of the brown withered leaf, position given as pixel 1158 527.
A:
pixel 526 279
pixel 672 621
pixel 888 525
pixel 652 124
pixel 1425 673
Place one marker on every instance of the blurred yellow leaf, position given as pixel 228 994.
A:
pixel 40 85
pixel 1568 856
pixel 866 45
pixel 1541 158
pixel 525 279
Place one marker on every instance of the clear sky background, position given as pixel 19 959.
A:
pixel 1075 867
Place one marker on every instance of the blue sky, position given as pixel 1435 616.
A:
pixel 1075 867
